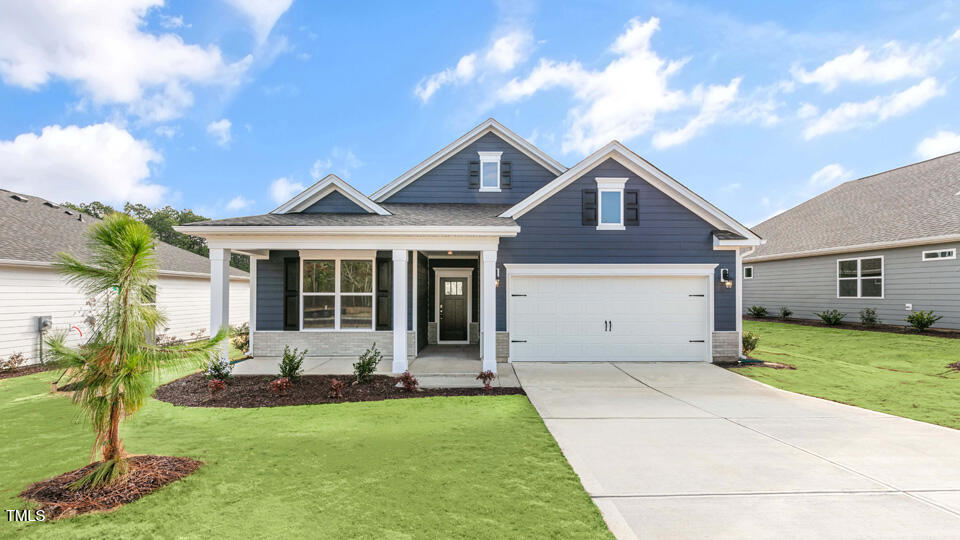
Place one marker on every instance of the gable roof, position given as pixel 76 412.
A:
pixel 488 126
pixel 34 230
pixel 911 205
pixel 324 187
pixel 654 176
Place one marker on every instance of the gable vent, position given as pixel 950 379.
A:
pixel 19 198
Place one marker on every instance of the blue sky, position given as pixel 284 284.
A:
pixel 228 107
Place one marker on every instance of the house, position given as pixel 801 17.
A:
pixel 887 241
pixel 492 244
pixel 34 230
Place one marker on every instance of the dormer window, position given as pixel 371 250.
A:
pixel 490 171
pixel 610 198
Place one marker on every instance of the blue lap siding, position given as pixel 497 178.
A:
pixel 335 203
pixel 270 290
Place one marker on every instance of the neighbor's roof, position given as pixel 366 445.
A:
pixel 35 230
pixel 915 204
pixel 406 214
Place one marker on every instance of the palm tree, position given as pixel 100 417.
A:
pixel 113 372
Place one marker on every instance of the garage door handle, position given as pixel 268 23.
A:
pixel 517 295
pixel 694 295
pixel 697 341
pixel 518 341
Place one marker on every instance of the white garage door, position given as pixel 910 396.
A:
pixel 566 318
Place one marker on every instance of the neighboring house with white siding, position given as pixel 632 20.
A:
pixel 33 231
pixel 887 241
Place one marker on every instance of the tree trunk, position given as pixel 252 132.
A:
pixel 113 446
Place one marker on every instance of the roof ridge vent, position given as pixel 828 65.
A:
pixel 50 204
pixel 67 212
pixel 20 198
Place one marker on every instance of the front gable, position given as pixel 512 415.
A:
pixel 330 195
pixel 335 202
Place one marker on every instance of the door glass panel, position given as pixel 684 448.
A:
pixel 871 267
pixel 848 287
pixel 610 207
pixel 356 276
pixel 848 269
pixel 356 311
pixel 318 311
pixel 872 287
pixel 318 276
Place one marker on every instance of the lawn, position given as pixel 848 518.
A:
pixel 899 374
pixel 481 467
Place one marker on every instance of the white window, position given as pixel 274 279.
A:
pixel 337 294
pixel 747 272
pixel 490 171
pixel 939 254
pixel 860 278
pixel 610 203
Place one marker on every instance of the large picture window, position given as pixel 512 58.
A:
pixel 860 278
pixel 337 294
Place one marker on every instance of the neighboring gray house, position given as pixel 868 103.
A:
pixel 492 244
pixel 887 241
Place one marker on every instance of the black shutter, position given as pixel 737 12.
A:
pixel 631 207
pixel 384 298
pixel 474 174
pixel 589 209
pixel 505 175
pixel 291 293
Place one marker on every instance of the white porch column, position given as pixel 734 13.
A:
pixel 739 284
pixel 399 310
pixel 253 300
pixel 488 310
pixel 220 295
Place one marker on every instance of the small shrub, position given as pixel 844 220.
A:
pixel 750 341
pixel 921 320
pixel 215 386
pixel 409 382
pixel 757 311
pixel 785 312
pixel 485 377
pixel 240 337
pixel 281 385
pixel 367 364
pixel 336 388
pixel 219 369
pixel 831 317
pixel 868 317
pixel 291 366
pixel 16 360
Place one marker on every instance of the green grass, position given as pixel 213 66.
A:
pixel 424 468
pixel 899 374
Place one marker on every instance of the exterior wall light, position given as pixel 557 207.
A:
pixel 725 278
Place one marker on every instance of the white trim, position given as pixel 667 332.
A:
pixel 337 257
pixel 220 297
pixel 666 270
pixel 609 185
pixel 490 157
pixel 399 292
pixel 719 244
pixel 253 302
pixel 929 240
pixel 426 243
pixel 488 310
pixel 487 126
pixel 646 171
pixel 745 268
pixel 953 254
pixel 452 273
pixel 161 273
pixel 342 230
pixel 860 277
pixel 321 189
pixel 414 263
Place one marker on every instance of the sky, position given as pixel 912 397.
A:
pixel 230 107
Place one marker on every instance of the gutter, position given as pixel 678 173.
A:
pixel 167 273
pixel 859 247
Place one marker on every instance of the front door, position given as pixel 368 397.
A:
pixel 453 309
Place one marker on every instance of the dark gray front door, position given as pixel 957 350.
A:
pixel 453 309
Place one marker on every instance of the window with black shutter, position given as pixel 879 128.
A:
pixel 505 175
pixel 589 207
pixel 631 207
pixel 473 173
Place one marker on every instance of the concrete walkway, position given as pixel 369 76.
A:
pixel 671 450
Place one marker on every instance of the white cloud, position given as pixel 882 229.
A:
pixel 942 143
pixel 220 131
pixel 340 162
pixel 807 110
pixel 955 36
pixel 282 189
pixel 850 115
pixel 101 46
pixel 827 178
pixel 97 162
pixel 262 14
pixel 167 131
pixel 892 62
pixel 503 55
pixel 714 101
pixel 733 186
pixel 238 203
pixel 173 21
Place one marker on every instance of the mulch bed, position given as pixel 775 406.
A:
pixel 244 391
pixel 889 328
pixel 147 474
pixel 25 370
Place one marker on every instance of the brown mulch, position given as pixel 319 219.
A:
pixel 245 391
pixel 147 474
pixel 25 370
pixel 889 328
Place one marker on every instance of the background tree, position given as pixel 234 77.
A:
pixel 113 372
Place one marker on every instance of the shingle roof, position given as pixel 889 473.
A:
pixel 36 230
pixel 415 215
pixel 917 201
pixel 728 235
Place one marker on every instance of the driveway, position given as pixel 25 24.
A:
pixel 678 450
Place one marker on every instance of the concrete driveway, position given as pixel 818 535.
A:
pixel 677 450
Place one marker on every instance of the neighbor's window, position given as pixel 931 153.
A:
pixel 610 191
pixel 490 171
pixel 337 294
pixel 939 254
pixel 860 278
pixel 747 272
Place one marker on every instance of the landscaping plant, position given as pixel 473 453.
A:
pixel 215 386
pixel 750 341
pixel 16 360
pixel 291 366
pixel 113 371
pixel 409 382
pixel 219 369
pixel 921 320
pixel 336 388
pixel 485 377
pixel 240 337
pixel 757 311
pixel 868 317
pixel 367 364
pixel 831 317
pixel 785 312
pixel 281 385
